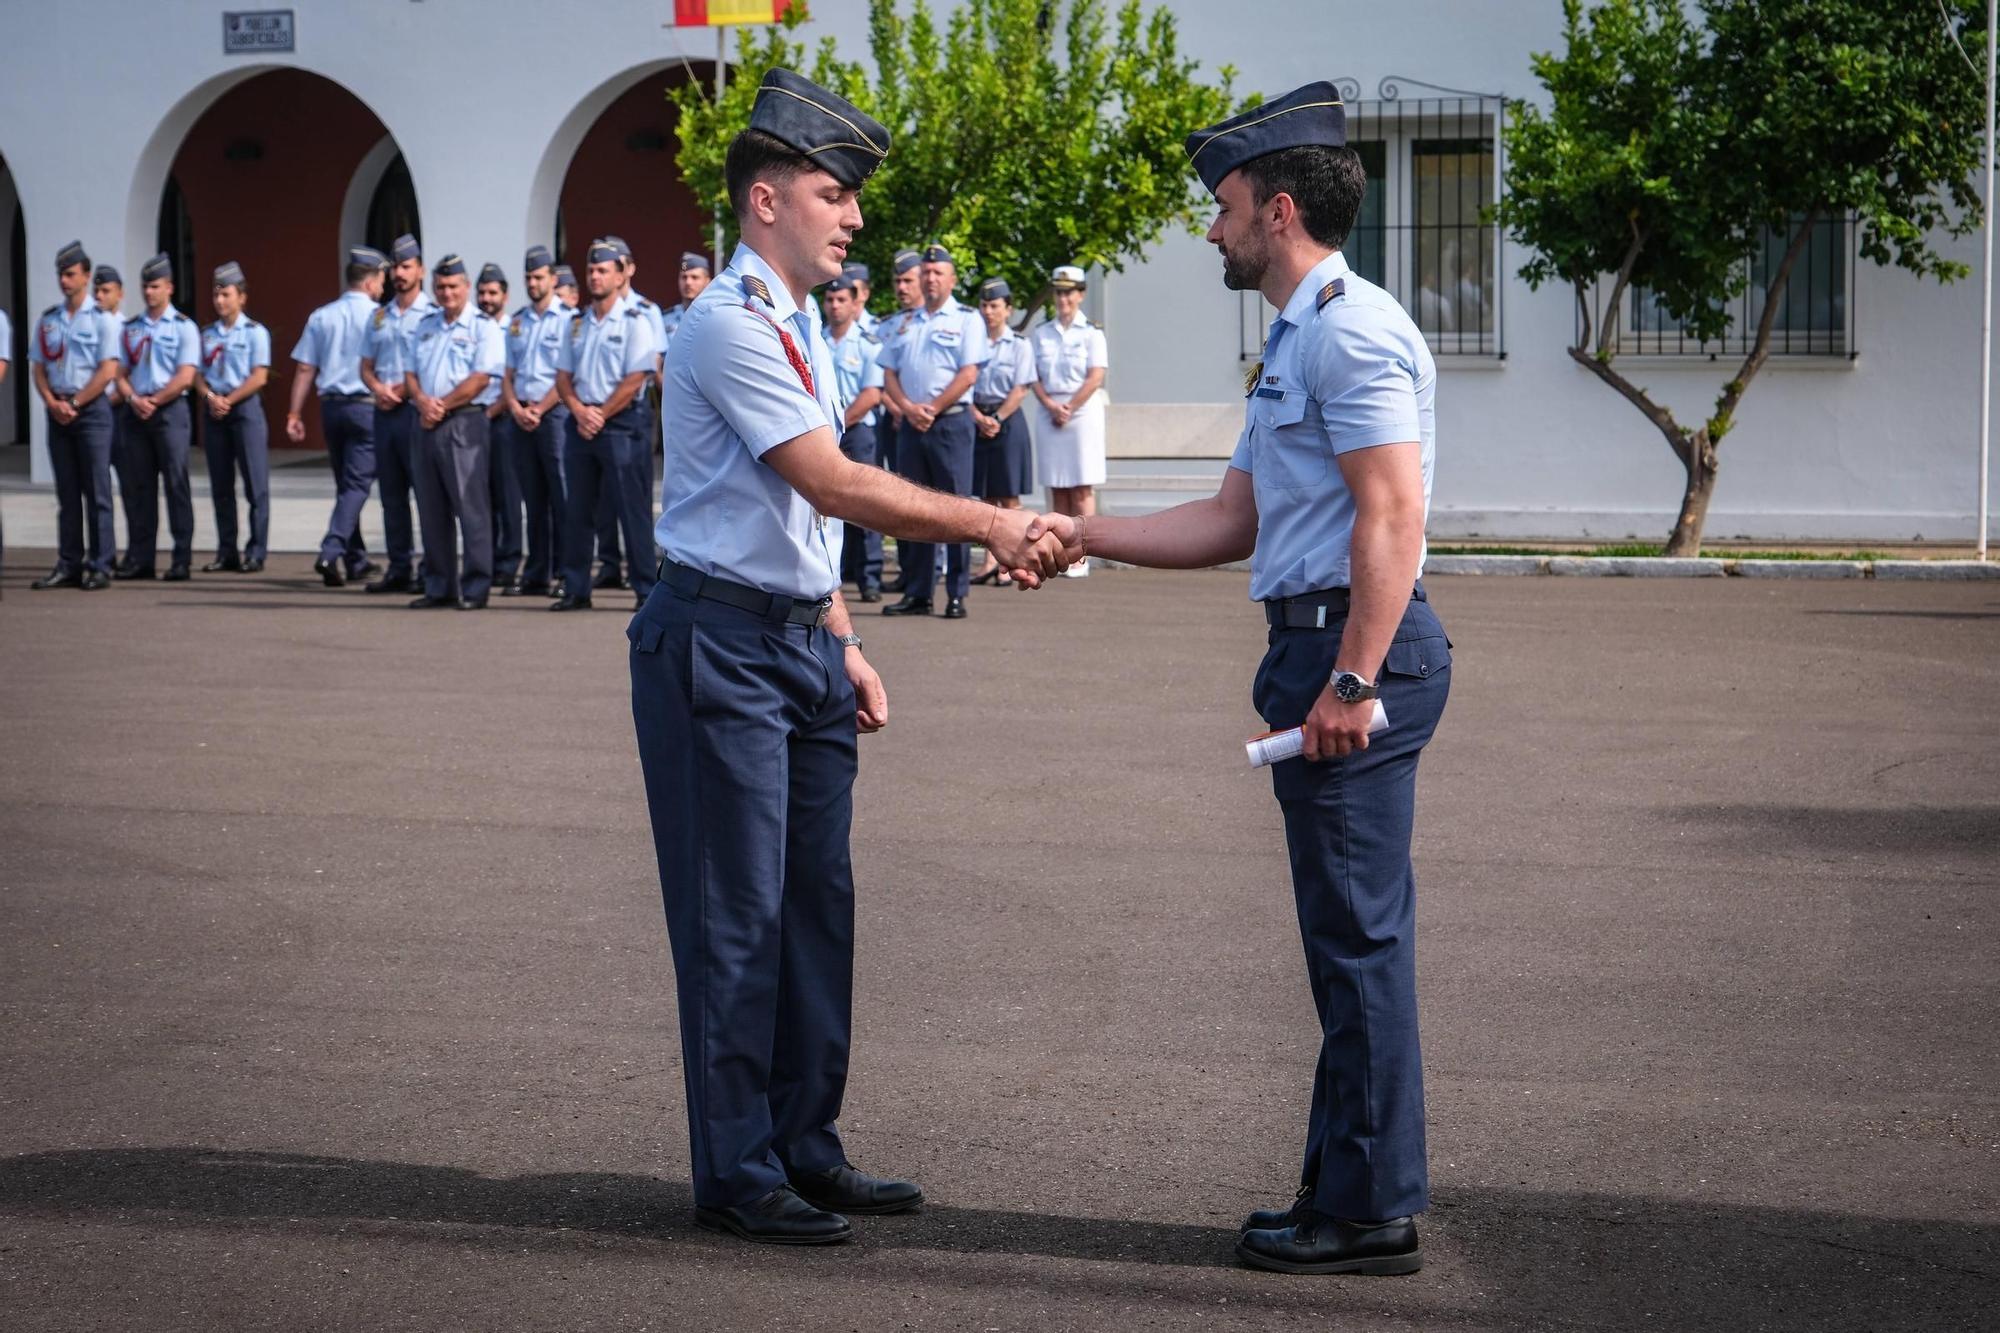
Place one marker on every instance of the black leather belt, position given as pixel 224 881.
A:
pixel 347 398
pixel 990 408
pixel 953 410
pixel 1316 610
pixel 775 607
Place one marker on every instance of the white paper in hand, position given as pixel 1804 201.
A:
pixel 1274 747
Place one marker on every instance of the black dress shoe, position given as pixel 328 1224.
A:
pixel 531 588
pixel 1323 1244
pixel 253 565
pixel 608 578
pixel 954 608
pixel 404 582
pixel 1270 1219
pixel 124 572
pixel 59 578
pixel 778 1218
pixel 95 580
pixel 429 603
pixel 567 603
pixel 871 592
pixel 223 564
pixel 472 603
pixel 329 573
pixel 362 570
pixel 504 583
pixel 909 606
pixel 177 574
pixel 845 1190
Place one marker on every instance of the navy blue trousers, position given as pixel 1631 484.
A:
pixel 861 550
pixel 349 428
pixel 157 450
pixel 1347 825
pixel 240 444
pixel 396 471
pixel 505 484
pixel 747 739
pixel 615 468
pixel 940 458
pixel 538 463
pixel 80 456
pixel 609 555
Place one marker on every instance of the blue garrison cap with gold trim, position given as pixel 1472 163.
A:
pixel 369 255
pixel 995 289
pixel 229 274
pixel 843 282
pixel 73 253
pixel 159 266
pixel 1308 116
pixel 619 244
pixel 690 262
pixel 538 256
pixel 405 247
pixel 837 136
pixel 450 266
pixel 492 273
pixel 104 273
pixel 565 276
pixel 602 252
pixel 937 254
pixel 906 260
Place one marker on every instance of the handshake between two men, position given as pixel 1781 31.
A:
pixel 1032 547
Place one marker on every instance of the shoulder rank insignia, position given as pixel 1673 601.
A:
pixel 868 336
pixel 1338 287
pixel 514 327
pixel 381 315
pixel 1250 380
pixel 755 286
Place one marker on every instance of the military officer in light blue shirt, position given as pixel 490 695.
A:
pixel 535 418
pixel 490 294
pixel 927 372
pixel 235 365
pixel 1327 494
pixel 694 277
pixel 385 354
pixel 329 359
pixel 160 349
pixel 611 559
pixel 605 360
pixel 73 360
pixel 749 686
pixel 1003 457
pixel 859 379
pixel 864 288
pixel 454 353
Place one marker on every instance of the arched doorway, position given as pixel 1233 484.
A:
pixel 264 176
pixel 14 300
pixel 622 180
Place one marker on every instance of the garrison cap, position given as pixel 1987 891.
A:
pixel 538 256
pixel 71 254
pixel 1312 115
pixel 159 266
pixel 843 283
pixel 105 273
pixel 858 272
pixel 618 243
pixel 690 261
pixel 602 252
pixel 405 247
pixel 492 273
pixel 229 275
pixel 906 260
pixel 1066 277
pixel 369 255
pixel 449 267
pixel 834 134
pixel 937 254
pixel 565 276
pixel 995 289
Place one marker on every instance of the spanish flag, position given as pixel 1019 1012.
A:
pixel 715 13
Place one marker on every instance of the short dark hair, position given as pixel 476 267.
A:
pixel 360 273
pixel 1326 184
pixel 754 156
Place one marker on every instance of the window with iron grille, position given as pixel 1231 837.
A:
pixel 1432 171
pixel 1815 315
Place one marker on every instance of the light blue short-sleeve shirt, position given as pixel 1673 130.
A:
pixel 1347 372
pixel 332 342
pixel 599 351
pixel 857 367
pixel 447 352
pixel 1012 364
pixel 933 346
pixel 731 394
pixel 6 337
pixel 229 352
pixel 153 350
pixel 533 342
pixel 70 347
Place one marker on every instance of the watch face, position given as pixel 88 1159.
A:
pixel 1347 687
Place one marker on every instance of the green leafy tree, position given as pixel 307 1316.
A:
pixel 1026 133
pixel 1672 148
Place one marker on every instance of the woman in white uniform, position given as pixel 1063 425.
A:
pixel 1070 361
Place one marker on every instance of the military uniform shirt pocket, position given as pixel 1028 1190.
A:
pixel 1293 449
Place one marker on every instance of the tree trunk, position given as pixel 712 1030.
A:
pixel 1701 462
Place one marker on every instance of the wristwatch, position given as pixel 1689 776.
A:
pixel 1352 689
pixel 850 640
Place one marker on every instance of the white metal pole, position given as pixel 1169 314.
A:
pixel 1986 276
pixel 721 81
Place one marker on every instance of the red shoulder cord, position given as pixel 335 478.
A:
pixel 792 355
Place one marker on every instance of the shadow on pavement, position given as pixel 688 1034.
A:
pixel 1775 828
pixel 1537 1255
pixel 1908 615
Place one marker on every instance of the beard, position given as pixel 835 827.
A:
pixel 1243 268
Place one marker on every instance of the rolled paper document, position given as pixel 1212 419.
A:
pixel 1274 747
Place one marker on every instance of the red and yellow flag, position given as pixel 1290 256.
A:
pixel 715 13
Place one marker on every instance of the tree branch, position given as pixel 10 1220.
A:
pixel 1607 342
pixel 1760 346
pixel 1661 417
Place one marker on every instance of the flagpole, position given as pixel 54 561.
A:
pixel 721 81
pixel 1986 275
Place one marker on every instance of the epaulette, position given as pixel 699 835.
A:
pixel 53 310
pixel 632 312
pixel 643 303
pixel 754 285
pixel 523 312
pixel 1338 287
pixel 134 320
pixel 250 323
pixel 868 336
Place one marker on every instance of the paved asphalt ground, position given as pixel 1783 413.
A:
pixel 334 991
